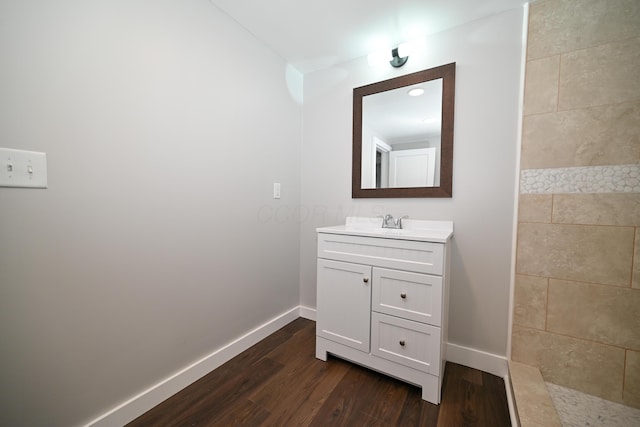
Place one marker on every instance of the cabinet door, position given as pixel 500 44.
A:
pixel 344 303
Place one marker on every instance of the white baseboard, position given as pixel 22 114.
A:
pixel 477 359
pixel 138 405
pixel 308 313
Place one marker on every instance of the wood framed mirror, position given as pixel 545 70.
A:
pixel 403 135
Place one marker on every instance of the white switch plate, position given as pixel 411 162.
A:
pixel 20 168
pixel 276 190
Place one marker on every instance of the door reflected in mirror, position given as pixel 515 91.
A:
pixel 401 132
pixel 403 135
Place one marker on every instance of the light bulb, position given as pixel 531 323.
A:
pixel 412 47
pixel 379 57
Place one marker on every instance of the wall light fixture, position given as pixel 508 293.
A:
pixel 396 61
pixel 399 55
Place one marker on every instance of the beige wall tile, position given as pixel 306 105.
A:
pixel 534 208
pixel 594 254
pixel 554 25
pixel 604 135
pixel 530 301
pixel 582 365
pixel 541 85
pixel 596 122
pixel 532 398
pixel 525 422
pixel 600 75
pixel 605 314
pixel 598 209
pixel 635 281
pixel 631 392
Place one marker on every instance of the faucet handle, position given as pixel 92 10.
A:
pixel 399 221
pixel 388 221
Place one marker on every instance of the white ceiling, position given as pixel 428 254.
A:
pixel 317 34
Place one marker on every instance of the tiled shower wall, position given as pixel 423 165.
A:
pixel 577 288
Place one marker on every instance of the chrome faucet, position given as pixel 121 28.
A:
pixel 389 222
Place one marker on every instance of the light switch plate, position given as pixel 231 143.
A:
pixel 20 168
pixel 276 190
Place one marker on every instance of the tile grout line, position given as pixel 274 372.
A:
pixel 585 107
pixel 546 308
pixel 579 224
pixel 578 281
pixel 578 49
pixel 615 346
pixel 633 255
pixel 624 371
pixel 558 84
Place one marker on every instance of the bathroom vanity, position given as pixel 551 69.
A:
pixel 382 298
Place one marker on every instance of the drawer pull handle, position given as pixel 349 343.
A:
pixel 365 280
pixel 403 295
pixel 402 343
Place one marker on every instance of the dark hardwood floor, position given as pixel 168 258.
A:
pixel 279 382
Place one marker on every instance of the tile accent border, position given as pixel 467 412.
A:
pixel 583 179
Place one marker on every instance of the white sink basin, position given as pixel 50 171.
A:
pixel 412 229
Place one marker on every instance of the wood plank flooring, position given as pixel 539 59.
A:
pixel 279 382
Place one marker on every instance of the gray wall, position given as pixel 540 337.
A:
pixel 165 126
pixel 488 56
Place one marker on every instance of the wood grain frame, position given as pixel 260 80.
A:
pixel 448 75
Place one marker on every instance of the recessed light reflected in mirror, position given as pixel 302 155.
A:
pixel 417 91
pixel 430 120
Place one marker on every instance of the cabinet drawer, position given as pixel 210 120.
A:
pixel 411 296
pixel 406 342
pixel 420 257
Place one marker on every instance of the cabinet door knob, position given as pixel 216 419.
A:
pixel 365 280
pixel 402 343
pixel 403 295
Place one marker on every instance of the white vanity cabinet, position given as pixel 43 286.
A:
pixel 382 300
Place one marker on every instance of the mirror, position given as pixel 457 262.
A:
pixel 403 139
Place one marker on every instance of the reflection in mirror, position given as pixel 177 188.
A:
pixel 403 135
